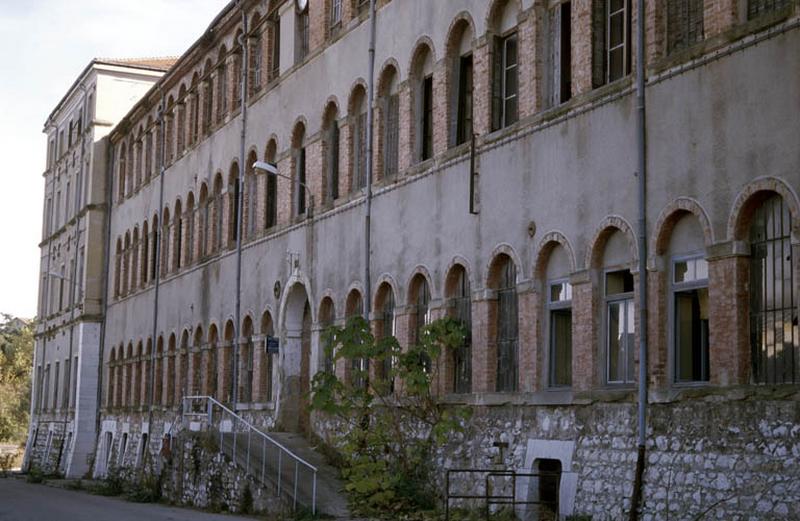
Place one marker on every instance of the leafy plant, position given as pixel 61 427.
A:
pixel 16 359
pixel 392 421
pixel 35 475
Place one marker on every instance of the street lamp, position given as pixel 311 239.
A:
pixel 272 169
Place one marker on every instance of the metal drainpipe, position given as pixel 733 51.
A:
pixel 368 217
pixel 641 153
pixel 157 252
pixel 239 208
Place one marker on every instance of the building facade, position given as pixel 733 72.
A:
pixel 64 405
pixel 501 189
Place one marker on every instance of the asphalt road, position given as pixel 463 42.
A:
pixel 21 501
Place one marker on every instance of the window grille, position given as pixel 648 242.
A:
pixel 773 311
pixel 507 330
pixel 392 136
pixel 684 23
pixel 462 355
pixel 756 8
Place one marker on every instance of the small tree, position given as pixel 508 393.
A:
pixel 391 420
pixel 16 359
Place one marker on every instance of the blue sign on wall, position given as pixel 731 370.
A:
pixel 272 345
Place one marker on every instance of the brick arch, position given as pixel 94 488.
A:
pixel 388 65
pixel 422 42
pixel 332 103
pixel 456 30
pixel 385 278
pixel 327 296
pixel 358 86
pixel 213 333
pixel 271 141
pixel 670 216
pixel 300 125
pixel 748 200
pixel 247 320
pixel 425 273
pixel 594 253
pixel 508 250
pixel 457 260
pixel 197 336
pixel 546 246
pixel 355 289
pixel 494 10
pixel 267 321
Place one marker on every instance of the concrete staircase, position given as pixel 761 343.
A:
pixel 292 480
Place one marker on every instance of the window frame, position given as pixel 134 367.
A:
pixel 674 289
pixel 628 298
pixel 553 307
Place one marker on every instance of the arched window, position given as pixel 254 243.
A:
pixel 122 165
pixel 148 378
pixel 505 71
pixel 247 379
pixel 169 117
pixel 265 367
pixel 159 371
pixel 177 247
pixel 225 388
pixel 165 246
pixel 208 97
pixel 421 79
pixel 138 158
pixel 138 375
pixel 198 353
pixel 237 70
pixel 331 151
pixel 459 307
pixel 271 195
pixel 384 304
pixel 194 110
pixel 211 365
pixel 389 120
pixel 155 248
pixel 189 218
pixel 118 269
pixel 358 133
pixel 110 393
pixel 145 254
pixel 359 369
pixel 460 70
pixel 274 45
pixel 250 196
pixel 171 372
pixel 558 321
pixel 299 160
pixel 216 243
pixel 620 330
pixel 233 205
pixel 326 319
pixel 180 114
pixel 126 264
pixel 135 260
pixel 419 298
pixel 774 337
pixel 204 221
pixel 222 85
pixel 504 281
pixel 148 151
pixel 183 367
pixel 255 55
pixel 302 32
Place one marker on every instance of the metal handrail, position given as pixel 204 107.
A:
pixel 282 450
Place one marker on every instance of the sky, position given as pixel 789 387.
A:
pixel 44 45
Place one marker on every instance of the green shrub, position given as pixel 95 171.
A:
pixel 146 490
pixel 35 475
pixel 112 485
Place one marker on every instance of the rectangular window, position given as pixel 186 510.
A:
pixel 465 84
pixel 302 36
pixel 336 15
pixel 559 303
pixel 620 327
pixel 505 88
pixel 560 54
pixel 74 380
pixel 46 391
pixel 67 376
pixel 274 47
pixel 360 152
pixel 255 60
pixel 684 23
pixel 611 48
pixel 333 162
pixel 392 136
pixel 426 149
pixel 272 201
pixel 56 381
pixel 756 8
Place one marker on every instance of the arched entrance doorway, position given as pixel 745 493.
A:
pixel 293 413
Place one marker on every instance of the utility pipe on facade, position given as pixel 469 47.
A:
pixel 368 216
pixel 641 156
pixel 239 208
pixel 157 252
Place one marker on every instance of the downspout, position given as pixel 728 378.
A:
pixel 157 252
pixel 641 156
pixel 239 209
pixel 368 216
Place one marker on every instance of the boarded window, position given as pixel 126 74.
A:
pixel 684 23
pixel 773 310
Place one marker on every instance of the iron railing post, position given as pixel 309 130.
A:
pixel 248 451
pixel 314 496
pixel 280 464
pixel 296 470
pixel 263 457
pixel 447 497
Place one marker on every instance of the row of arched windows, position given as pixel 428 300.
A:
pixel 568 329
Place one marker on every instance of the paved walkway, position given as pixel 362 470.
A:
pixel 21 501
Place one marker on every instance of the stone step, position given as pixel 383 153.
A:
pixel 263 466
